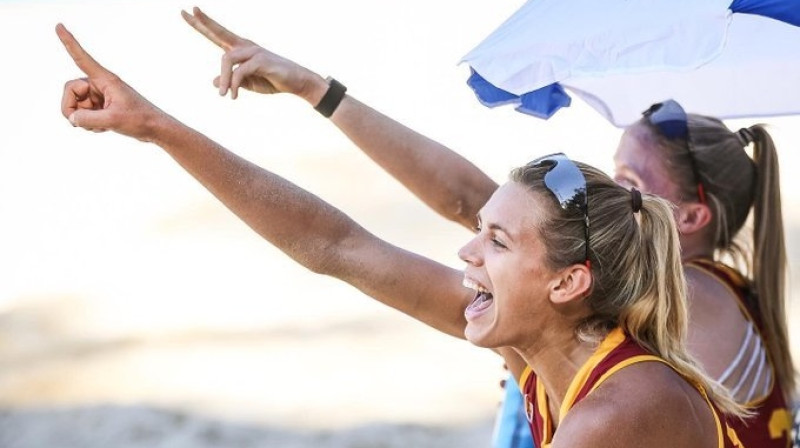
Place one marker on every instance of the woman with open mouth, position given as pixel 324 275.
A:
pixel 736 274
pixel 574 279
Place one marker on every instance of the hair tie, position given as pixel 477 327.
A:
pixel 636 200
pixel 746 136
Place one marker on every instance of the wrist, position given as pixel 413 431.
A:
pixel 330 100
pixel 158 128
pixel 315 89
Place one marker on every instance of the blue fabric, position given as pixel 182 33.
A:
pixel 542 103
pixel 487 93
pixel 784 10
pixel 511 428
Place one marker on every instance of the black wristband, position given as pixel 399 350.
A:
pixel 330 101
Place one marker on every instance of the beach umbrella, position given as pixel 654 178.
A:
pixel 718 58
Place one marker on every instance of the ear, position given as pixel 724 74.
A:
pixel 692 217
pixel 572 284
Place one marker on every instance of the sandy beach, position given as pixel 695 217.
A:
pixel 135 427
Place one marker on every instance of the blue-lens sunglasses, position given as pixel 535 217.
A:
pixel 670 119
pixel 566 181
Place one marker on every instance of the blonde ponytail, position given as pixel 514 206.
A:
pixel 658 319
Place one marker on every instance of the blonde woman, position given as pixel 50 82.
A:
pixel 737 321
pixel 547 283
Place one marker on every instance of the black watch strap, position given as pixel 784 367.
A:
pixel 330 101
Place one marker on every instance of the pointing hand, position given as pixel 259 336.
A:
pixel 102 101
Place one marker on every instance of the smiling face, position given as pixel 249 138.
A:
pixel 506 265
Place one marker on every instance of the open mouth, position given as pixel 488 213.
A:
pixel 482 301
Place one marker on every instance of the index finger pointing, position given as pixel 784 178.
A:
pixel 212 30
pixel 82 59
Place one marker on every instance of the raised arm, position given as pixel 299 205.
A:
pixel 310 231
pixel 445 181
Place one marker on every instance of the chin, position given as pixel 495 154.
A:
pixel 479 338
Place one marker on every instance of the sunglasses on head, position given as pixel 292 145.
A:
pixel 566 181
pixel 671 121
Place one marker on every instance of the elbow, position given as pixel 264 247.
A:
pixel 466 202
pixel 330 258
pixel 462 211
pixel 322 263
pixel 465 214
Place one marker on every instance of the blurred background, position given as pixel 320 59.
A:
pixel 135 310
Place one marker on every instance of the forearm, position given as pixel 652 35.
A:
pixel 294 220
pixel 443 179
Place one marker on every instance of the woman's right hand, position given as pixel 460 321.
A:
pixel 245 64
pixel 101 101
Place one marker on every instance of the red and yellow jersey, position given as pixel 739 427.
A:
pixel 770 426
pixel 617 351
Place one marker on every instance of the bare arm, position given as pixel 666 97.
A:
pixel 444 180
pixel 310 231
pixel 317 235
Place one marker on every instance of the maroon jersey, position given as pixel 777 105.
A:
pixel 617 351
pixel 771 424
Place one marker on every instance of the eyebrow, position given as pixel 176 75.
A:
pixel 496 227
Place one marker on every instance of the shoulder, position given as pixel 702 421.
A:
pixel 708 289
pixel 713 305
pixel 645 404
pixel 716 322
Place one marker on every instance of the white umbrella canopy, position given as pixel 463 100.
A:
pixel 729 60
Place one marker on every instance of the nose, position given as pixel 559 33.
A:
pixel 469 253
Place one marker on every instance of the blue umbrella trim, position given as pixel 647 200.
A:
pixel 541 103
pixel 784 10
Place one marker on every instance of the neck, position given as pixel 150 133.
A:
pixel 556 359
pixel 694 246
pixel 688 253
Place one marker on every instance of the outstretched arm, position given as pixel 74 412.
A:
pixel 445 181
pixel 312 232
